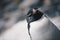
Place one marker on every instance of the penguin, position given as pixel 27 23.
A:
pixel 40 27
pixel 30 17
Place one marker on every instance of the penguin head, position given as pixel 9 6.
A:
pixel 34 15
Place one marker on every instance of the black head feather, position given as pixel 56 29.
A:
pixel 33 16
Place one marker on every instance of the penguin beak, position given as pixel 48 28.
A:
pixel 29 15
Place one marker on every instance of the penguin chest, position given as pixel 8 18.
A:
pixel 42 30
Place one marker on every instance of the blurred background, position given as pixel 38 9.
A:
pixel 14 11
